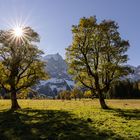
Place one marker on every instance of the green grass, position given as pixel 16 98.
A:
pixel 70 120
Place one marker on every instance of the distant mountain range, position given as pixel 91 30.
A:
pixel 135 76
pixel 61 80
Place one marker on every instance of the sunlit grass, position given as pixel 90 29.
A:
pixel 74 119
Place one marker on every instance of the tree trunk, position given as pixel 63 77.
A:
pixel 102 101
pixel 15 104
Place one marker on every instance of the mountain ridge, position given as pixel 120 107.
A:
pixel 61 80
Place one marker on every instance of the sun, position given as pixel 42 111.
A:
pixel 18 35
pixel 18 31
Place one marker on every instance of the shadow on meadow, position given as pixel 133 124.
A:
pixel 47 124
pixel 128 114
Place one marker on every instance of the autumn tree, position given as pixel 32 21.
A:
pixel 88 94
pixel 64 95
pixel 20 63
pixel 76 93
pixel 96 55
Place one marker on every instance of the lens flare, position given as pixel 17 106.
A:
pixel 18 31
pixel 19 35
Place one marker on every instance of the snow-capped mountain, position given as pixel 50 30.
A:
pixel 56 66
pixel 60 80
pixel 135 76
pixel 53 86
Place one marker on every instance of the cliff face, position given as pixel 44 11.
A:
pixel 60 80
pixel 56 66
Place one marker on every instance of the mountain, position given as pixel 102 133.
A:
pixel 135 76
pixel 56 66
pixel 60 79
pixel 53 86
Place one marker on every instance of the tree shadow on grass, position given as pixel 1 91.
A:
pixel 129 114
pixel 28 124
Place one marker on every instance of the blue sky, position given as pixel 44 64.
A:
pixel 53 19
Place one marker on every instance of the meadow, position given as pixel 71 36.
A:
pixel 70 120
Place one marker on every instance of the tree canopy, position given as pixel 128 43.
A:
pixel 20 62
pixel 96 55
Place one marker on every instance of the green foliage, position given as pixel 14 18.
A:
pixel 65 94
pixel 68 95
pixel 125 89
pixel 76 93
pixel 20 65
pixel 28 93
pixel 88 94
pixel 97 50
pixel 97 54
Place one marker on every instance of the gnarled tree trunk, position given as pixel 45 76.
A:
pixel 102 100
pixel 15 104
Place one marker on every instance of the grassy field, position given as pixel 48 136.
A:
pixel 70 120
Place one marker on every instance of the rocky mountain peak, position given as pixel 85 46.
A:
pixel 56 66
pixel 60 79
pixel 55 57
